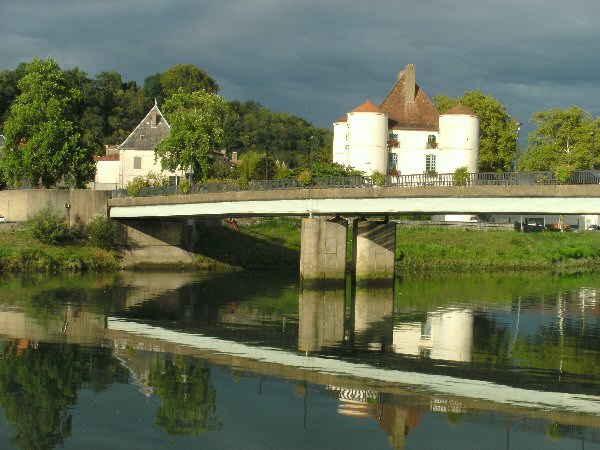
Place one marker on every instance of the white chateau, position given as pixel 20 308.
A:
pixel 406 134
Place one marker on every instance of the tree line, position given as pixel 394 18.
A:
pixel 55 121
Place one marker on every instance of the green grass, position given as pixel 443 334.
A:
pixel 275 242
pixel 21 253
pixel 272 243
pixel 457 249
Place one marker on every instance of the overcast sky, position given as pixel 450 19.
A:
pixel 318 59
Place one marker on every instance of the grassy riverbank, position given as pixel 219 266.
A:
pixel 275 243
pixel 457 249
pixel 21 253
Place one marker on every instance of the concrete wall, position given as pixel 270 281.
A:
pixel 152 243
pixel 323 249
pixel 82 204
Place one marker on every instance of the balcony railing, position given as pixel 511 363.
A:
pixel 415 180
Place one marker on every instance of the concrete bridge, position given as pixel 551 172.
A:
pixel 535 199
pixel 324 242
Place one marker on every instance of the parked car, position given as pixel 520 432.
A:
pixel 2 219
pixel 556 227
pixel 593 228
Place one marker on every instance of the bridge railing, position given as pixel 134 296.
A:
pixel 414 180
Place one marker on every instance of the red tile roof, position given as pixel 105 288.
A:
pixel 461 109
pixel 419 114
pixel 367 107
pixel 107 158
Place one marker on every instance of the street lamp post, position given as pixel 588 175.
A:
pixel 592 134
pixel 311 155
pixel 517 150
pixel 266 164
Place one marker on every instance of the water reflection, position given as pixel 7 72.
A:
pixel 505 353
pixel 446 334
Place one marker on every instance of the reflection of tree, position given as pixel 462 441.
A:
pixel 189 402
pixel 38 384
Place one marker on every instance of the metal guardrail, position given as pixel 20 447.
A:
pixel 415 180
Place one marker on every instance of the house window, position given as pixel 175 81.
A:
pixel 431 141
pixel 393 161
pixel 393 140
pixel 430 163
pixel 137 162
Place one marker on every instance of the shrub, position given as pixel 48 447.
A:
pixel 563 173
pixel 135 186
pixel 305 177
pixel 102 232
pixel 48 225
pixel 184 186
pixel 379 179
pixel 461 176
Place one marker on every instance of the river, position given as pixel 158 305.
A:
pixel 254 361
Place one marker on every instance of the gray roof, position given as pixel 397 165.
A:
pixel 146 136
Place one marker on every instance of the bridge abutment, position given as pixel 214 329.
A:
pixel 157 243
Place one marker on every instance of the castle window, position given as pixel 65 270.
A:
pixel 430 163
pixel 431 141
pixel 137 162
pixel 393 161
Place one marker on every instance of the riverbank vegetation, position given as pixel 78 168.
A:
pixel 46 244
pixel 458 249
pixel 275 243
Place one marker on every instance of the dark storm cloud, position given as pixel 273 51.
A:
pixel 318 59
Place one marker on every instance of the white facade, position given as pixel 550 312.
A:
pixel 366 135
pixel 407 134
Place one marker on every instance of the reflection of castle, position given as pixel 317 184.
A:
pixel 397 421
pixel 446 335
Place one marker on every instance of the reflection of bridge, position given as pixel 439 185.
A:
pixel 327 371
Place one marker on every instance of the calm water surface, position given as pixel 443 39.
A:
pixel 181 361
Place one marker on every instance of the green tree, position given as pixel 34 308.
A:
pixel 153 89
pixel 189 401
pixel 255 165
pixel 9 90
pixel 196 131
pixel 285 138
pixel 561 141
pixel 497 129
pixel 187 77
pixel 43 140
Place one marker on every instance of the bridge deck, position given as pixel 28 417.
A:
pixel 530 199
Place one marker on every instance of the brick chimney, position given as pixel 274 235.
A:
pixel 410 81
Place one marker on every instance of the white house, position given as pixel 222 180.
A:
pixel 135 156
pixel 407 134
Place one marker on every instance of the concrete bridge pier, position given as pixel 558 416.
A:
pixel 323 249
pixel 374 249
